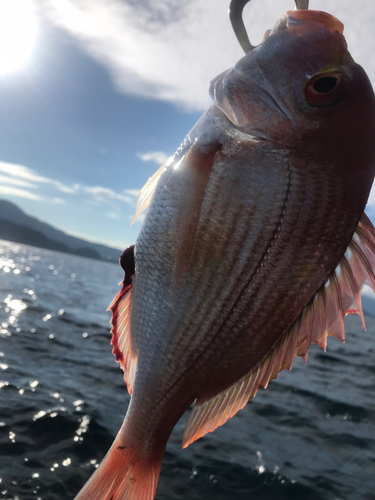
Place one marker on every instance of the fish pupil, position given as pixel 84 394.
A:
pixel 325 84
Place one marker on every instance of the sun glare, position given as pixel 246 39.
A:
pixel 17 33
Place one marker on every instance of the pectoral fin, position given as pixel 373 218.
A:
pixel 322 317
pixel 198 162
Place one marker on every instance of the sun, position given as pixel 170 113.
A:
pixel 18 28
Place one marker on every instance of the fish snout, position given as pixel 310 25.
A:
pixel 307 21
pixel 302 22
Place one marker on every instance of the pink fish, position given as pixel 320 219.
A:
pixel 255 245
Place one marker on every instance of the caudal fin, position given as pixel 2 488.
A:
pixel 123 475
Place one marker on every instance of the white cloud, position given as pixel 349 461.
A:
pixel 163 49
pixel 63 188
pixel 158 157
pixel 131 192
pixel 16 182
pixel 20 193
pixel 102 194
pixel 20 172
pixel 19 175
pixel 172 49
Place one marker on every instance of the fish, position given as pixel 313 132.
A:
pixel 255 245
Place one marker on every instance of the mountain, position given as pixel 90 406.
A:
pixel 16 225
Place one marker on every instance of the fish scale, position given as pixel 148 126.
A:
pixel 189 289
pixel 254 246
pixel 255 316
pixel 320 207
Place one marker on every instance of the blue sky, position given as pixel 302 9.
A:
pixel 64 120
pixel 108 91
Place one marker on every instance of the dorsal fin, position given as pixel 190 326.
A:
pixel 121 334
pixel 147 192
pixel 322 317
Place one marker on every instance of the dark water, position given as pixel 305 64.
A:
pixel 310 435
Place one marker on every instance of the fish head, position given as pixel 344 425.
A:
pixel 301 89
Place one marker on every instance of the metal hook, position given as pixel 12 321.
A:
pixel 235 14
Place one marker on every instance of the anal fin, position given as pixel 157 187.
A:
pixel 322 317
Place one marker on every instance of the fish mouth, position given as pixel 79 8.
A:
pixel 301 22
pixel 306 21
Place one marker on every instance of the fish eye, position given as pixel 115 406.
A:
pixel 324 90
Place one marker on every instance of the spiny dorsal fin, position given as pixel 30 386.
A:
pixel 147 192
pixel 121 335
pixel 322 317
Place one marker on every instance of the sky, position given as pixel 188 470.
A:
pixel 96 94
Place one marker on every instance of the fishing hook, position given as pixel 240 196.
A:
pixel 235 14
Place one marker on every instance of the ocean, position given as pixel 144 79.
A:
pixel 310 435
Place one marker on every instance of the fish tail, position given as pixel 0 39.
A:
pixel 123 475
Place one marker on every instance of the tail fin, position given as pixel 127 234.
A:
pixel 123 475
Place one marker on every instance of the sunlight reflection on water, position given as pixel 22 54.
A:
pixel 310 435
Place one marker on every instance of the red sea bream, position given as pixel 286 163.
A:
pixel 255 245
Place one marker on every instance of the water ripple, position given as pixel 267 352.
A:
pixel 309 436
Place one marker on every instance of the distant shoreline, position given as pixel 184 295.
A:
pixel 18 233
pixel 19 227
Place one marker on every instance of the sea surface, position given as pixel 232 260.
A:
pixel 310 435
